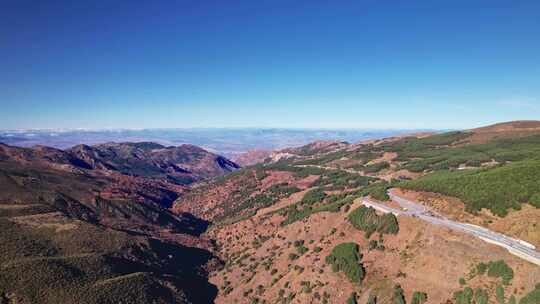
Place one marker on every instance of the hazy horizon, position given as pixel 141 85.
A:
pixel 224 141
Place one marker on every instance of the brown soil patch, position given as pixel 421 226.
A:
pixel 52 220
pixel 386 157
pixel 276 177
pixel 306 182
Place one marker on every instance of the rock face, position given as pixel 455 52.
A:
pixel 183 164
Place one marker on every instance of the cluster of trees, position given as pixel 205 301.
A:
pixel 532 297
pixel 243 203
pixel 464 296
pixel 286 165
pixel 377 190
pixel 419 297
pixel 481 296
pixel 300 248
pixel 346 258
pixel 339 180
pixel 313 196
pixel 282 190
pixel 497 189
pixel 366 219
pixel 314 204
pixel 497 269
pixel 437 153
pixel 374 168
pixel 398 297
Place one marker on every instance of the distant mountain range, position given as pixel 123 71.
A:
pixel 227 142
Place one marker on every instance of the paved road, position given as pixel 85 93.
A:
pixel 519 248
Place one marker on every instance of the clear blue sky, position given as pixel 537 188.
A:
pixel 330 64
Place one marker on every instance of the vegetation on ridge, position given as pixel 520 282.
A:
pixel 497 189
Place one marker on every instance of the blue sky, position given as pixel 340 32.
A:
pixel 315 64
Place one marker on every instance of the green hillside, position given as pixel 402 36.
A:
pixel 497 189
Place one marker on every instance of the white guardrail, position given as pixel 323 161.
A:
pixel 519 248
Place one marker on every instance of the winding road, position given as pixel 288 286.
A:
pixel 516 247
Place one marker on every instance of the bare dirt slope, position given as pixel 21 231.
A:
pixel 420 257
pixel 514 129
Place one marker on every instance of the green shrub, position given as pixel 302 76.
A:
pixel 346 258
pixel 499 294
pixel 366 219
pixel 372 299
pixel 352 299
pixel 374 168
pixel 314 196
pixel 532 297
pixel 419 297
pixel 535 200
pixel 481 296
pixel 293 256
pixel 464 296
pixel 377 190
pixel 501 270
pixel 299 244
pixel 398 295
pixel 303 209
pixel 481 268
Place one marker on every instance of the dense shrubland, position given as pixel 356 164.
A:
pixel 435 152
pixel 497 189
